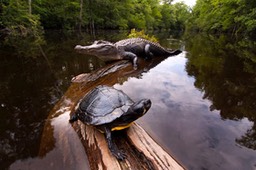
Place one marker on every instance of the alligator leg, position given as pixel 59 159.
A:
pixel 148 53
pixel 131 56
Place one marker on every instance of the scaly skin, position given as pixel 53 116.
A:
pixel 126 49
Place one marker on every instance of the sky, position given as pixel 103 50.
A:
pixel 190 3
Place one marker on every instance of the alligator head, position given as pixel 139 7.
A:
pixel 103 49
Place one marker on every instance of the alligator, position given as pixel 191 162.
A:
pixel 127 49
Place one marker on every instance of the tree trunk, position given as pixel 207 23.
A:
pixel 29 7
pixel 91 17
pixel 81 16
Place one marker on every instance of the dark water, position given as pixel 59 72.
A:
pixel 203 110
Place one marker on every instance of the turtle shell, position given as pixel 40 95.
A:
pixel 103 105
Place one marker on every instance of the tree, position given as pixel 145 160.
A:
pixel 97 14
pixel 232 16
pixel 174 16
pixel 18 19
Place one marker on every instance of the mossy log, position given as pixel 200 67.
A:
pixel 141 150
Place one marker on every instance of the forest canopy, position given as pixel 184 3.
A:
pixel 93 14
pixel 229 16
pixel 215 16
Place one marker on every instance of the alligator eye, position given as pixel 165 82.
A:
pixel 109 46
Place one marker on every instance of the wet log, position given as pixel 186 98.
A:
pixel 141 150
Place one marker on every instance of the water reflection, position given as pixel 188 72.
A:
pixel 203 108
pixel 30 86
pixel 181 121
pixel 226 72
pixel 34 76
pixel 28 45
pixel 66 154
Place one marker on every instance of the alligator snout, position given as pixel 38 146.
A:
pixel 78 47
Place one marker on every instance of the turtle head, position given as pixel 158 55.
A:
pixel 141 107
pixel 137 110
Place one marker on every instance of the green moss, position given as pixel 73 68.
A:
pixel 141 34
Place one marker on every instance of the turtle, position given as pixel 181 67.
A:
pixel 109 109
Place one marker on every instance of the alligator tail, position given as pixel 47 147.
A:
pixel 176 52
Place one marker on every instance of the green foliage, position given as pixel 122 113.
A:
pixel 62 14
pixel 233 16
pixel 25 34
pixel 141 34
pixel 181 12
pixel 94 14
pixel 174 16
pixel 16 18
pixel 168 17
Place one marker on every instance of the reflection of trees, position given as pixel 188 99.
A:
pixel 248 139
pixel 29 88
pixel 226 72
pixel 24 87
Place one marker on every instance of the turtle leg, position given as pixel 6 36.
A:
pixel 112 146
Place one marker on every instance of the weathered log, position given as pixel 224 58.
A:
pixel 141 150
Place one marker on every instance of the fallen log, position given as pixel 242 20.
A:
pixel 141 150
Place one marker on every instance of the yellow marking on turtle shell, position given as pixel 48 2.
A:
pixel 121 127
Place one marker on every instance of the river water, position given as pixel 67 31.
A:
pixel 203 110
